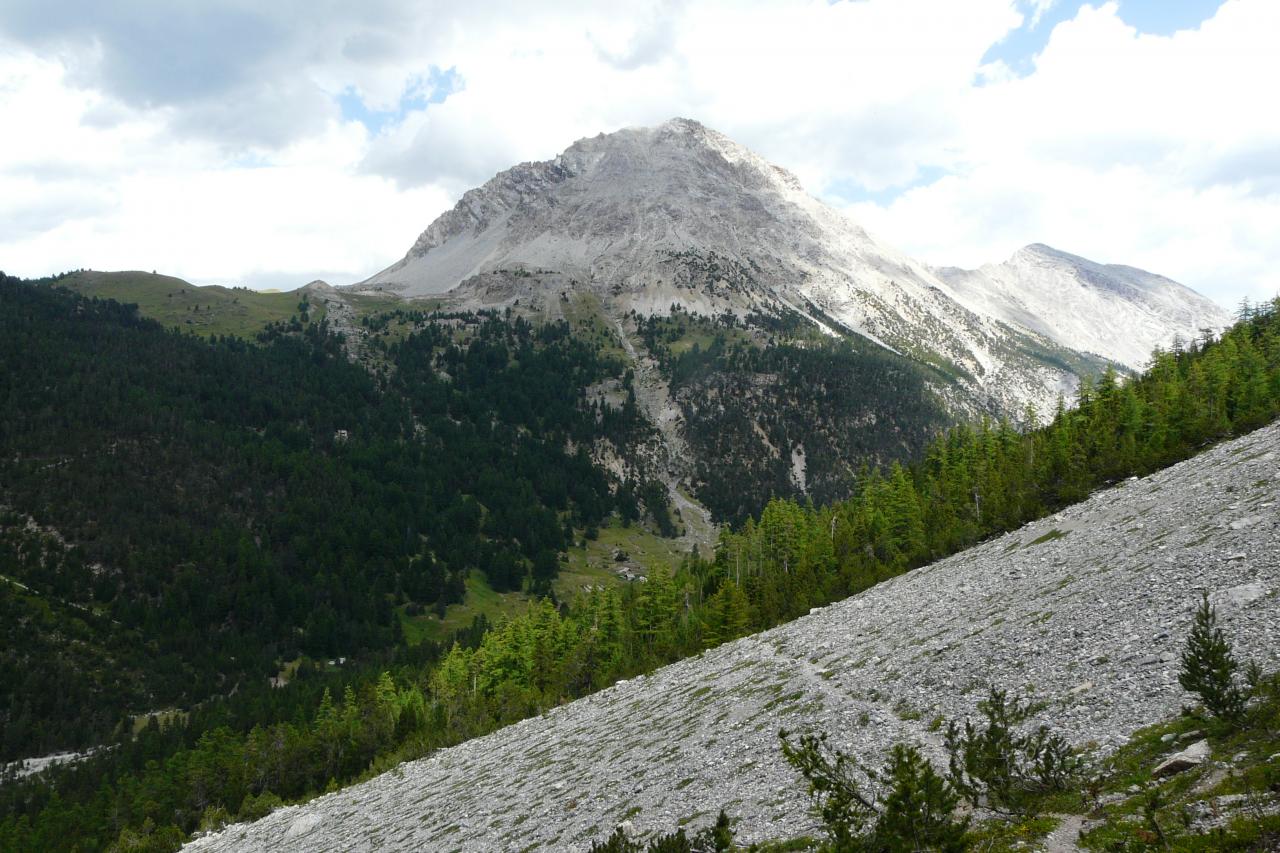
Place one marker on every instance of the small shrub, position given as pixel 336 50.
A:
pixel 908 806
pixel 1005 769
pixel 148 839
pixel 919 810
pixel 253 808
pixel 717 838
pixel 213 819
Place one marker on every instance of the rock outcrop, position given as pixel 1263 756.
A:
pixel 1087 610
pixel 1192 756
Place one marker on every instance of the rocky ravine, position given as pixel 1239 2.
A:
pixel 1087 609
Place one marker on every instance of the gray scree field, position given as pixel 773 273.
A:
pixel 1087 610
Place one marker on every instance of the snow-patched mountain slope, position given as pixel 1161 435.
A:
pixel 1119 312
pixel 1087 610
pixel 679 213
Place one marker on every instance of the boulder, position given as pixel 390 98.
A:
pixel 1192 756
pixel 303 825
pixel 1239 596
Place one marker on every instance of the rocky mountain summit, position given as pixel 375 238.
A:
pixel 680 214
pixel 1086 610
pixel 1116 311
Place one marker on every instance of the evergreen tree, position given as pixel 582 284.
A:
pixel 1209 668
pixel 1001 764
pixel 903 808
pixel 834 786
pixel 728 615
pixel 918 813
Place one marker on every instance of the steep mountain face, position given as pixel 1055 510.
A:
pixel 680 214
pixel 1086 611
pixel 728 286
pixel 1119 312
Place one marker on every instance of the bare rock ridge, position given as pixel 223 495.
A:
pixel 1086 610
pixel 680 214
pixel 1119 312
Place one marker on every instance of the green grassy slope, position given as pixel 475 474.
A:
pixel 590 563
pixel 208 311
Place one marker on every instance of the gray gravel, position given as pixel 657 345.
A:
pixel 1092 621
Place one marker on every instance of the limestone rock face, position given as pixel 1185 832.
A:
pixel 1119 312
pixel 679 214
pixel 1090 621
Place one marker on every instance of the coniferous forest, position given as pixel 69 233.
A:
pixel 182 514
pixel 756 415
pixel 226 505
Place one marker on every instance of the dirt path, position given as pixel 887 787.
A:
pixel 1063 839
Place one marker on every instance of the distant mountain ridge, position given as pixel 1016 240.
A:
pixel 1119 312
pixel 680 214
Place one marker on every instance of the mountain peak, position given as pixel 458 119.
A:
pixel 1119 312
pixel 679 124
pixel 1044 251
pixel 606 202
pixel 645 218
pixel 684 140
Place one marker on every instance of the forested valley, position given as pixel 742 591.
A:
pixel 189 513
pixel 114 409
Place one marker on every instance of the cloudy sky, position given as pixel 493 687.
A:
pixel 271 143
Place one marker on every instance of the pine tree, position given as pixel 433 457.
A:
pixel 918 813
pixel 387 700
pixel 728 615
pixel 656 608
pixel 834 787
pixel 1003 763
pixel 1208 667
pixel 906 521
pixel 902 808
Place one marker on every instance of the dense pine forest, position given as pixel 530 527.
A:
pixel 799 414
pixel 103 410
pixel 189 512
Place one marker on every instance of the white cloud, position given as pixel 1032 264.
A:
pixel 1156 151
pixel 124 195
pixel 1147 150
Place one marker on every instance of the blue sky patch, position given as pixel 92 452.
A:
pixel 1020 47
pixel 422 91
pixel 1166 17
pixel 848 191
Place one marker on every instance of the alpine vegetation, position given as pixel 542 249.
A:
pixel 189 769
pixel 256 550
